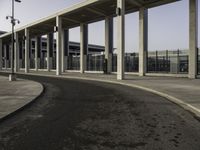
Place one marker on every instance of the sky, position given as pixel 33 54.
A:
pixel 168 24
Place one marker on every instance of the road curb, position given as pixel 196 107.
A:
pixel 26 105
pixel 195 111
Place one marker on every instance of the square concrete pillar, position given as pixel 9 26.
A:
pixel 9 49
pixel 193 38
pixel 27 50
pixel 109 42
pixel 16 53
pixel 120 38
pixel 143 40
pixel 49 50
pixel 1 50
pixel 5 57
pixel 65 49
pixel 59 39
pixel 37 52
pixel 83 47
pixel 23 53
pixel 8 54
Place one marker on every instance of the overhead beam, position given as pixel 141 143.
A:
pixel 158 3
pixel 71 20
pixel 96 11
pixel 39 30
pixel 135 2
pixel 49 25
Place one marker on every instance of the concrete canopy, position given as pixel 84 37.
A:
pixel 85 12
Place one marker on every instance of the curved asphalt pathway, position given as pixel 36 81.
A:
pixel 86 115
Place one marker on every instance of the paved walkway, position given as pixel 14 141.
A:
pixel 15 95
pixel 182 91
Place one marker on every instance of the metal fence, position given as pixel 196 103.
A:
pixel 54 63
pixel 114 63
pixel 6 63
pixel 74 62
pixel 32 63
pixel 131 62
pixel 174 62
pixel 95 62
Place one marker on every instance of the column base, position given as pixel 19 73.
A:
pixel 120 77
pixel 12 77
pixel 83 63
pixel 142 74
pixel 191 76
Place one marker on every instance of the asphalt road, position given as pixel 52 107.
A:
pixel 86 115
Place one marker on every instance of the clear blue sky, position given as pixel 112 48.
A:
pixel 168 24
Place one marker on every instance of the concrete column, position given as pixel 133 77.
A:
pixel 65 49
pixel 49 50
pixel 9 55
pixel 27 42
pixel 20 54
pixel 5 56
pixel 83 47
pixel 23 53
pixel 120 38
pixel 193 38
pixel 1 50
pixel 16 53
pixel 109 43
pixel 143 40
pixel 37 52
pixel 59 38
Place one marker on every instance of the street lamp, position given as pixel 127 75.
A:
pixel 12 76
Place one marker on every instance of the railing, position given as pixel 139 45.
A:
pixel 131 62
pixel 174 62
pixel 74 62
pixel 95 62
pixel 114 63
pixel 32 63
pixel 53 63
pixel 43 63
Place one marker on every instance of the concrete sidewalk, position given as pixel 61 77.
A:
pixel 182 91
pixel 15 95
